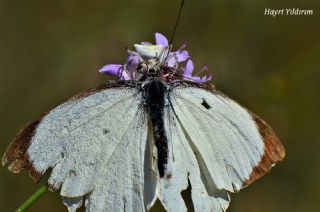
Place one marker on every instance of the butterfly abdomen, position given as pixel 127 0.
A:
pixel 155 93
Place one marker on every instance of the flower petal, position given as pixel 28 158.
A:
pixel 133 60
pixel 195 79
pixel 125 76
pixel 149 51
pixel 205 78
pixel 178 56
pixel 205 68
pixel 161 39
pixel 187 71
pixel 172 60
pixel 112 69
pixel 182 55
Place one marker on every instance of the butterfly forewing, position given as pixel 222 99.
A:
pixel 94 143
pixel 236 146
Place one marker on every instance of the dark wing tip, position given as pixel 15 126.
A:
pixel 16 154
pixel 273 151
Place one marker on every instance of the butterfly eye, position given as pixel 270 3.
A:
pixel 142 68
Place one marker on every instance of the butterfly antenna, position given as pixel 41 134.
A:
pixel 174 31
pixel 177 22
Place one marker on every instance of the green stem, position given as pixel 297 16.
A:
pixel 33 198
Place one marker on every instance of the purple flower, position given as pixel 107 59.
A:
pixel 130 67
pixel 173 57
pixel 161 39
pixel 161 52
pixel 187 73
pixel 112 69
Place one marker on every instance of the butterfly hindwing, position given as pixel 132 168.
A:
pixel 184 170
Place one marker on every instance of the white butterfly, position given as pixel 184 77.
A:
pixel 125 144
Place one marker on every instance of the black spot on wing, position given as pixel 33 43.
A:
pixel 105 131
pixel 205 104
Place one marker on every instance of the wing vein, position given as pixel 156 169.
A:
pixel 100 114
pixel 121 140
pixel 222 131
pixel 244 144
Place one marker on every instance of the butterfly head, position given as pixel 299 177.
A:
pixel 156 60
pixel 150 68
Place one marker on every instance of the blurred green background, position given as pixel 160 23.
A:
pixel 51 50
